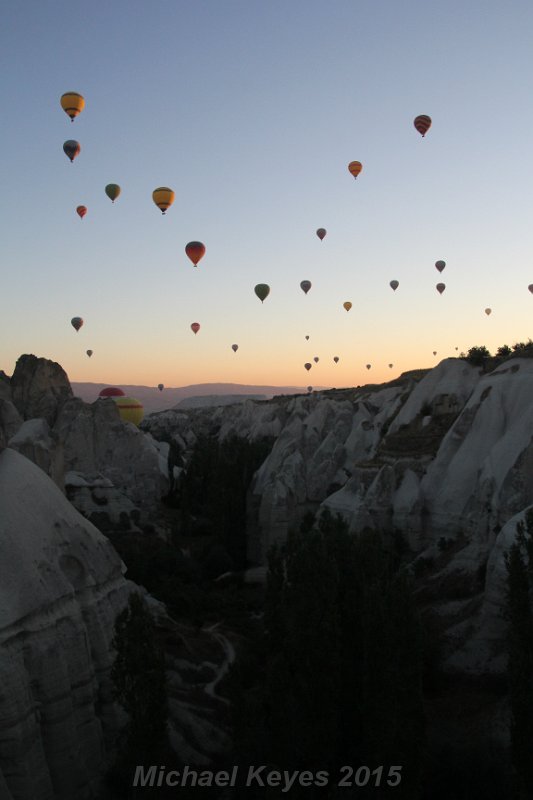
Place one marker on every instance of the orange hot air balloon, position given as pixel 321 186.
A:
pixel 355 168
pixel 163 197
pixel 422 123
pixel 321 232
pixel 394 285
pixel 76 323
pixel 347 305
pixel 440 287
pixel 336 359
pixel 234 347
pixel 81 211
pixel 72 104
pixel 440 265
pixel 195 251
pixel 195 327
pixel 308 366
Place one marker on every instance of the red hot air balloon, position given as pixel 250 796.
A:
pixel 71 149
pixel 195 327
pixel 111 391
pixel 440 287
pixel 308 366
pixel 81 211
pixel 355 168
pixel 321 232
pixel 422 123
pixel 195 251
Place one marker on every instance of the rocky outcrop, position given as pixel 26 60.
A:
pixel 39 387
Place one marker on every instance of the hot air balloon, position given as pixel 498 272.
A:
pixel 321 232
pixel 457 348
pixel 440 287
pixel 530 287
pixel 488 311
pixel 234 347
pixel 368 366
pixel 112 190
pixel 434 352
pixel 309 389
pixel 72 148
pixel 76 323
pixel 195 251
pixel 336 359
pixel 316 359
pixel 72 104
pixel 262 290
pixel 347 305
pixel 89 353
pixel 308 366
pixel 422 123
pixel 305 286
pixel 163 197
pixel 394 285
pixel 440 265
pixel 81 211
pixel 160 386
pixel 111 391
pixel 355 168
pixel 130 409
pixel 307 337
pixel 391 366
pixel 195 327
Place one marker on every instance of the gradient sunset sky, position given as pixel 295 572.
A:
pixel 251 111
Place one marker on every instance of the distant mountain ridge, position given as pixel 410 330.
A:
pixel 154 400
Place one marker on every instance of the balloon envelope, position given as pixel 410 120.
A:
pixel 262 290
pixel 434 352
pixel 347 305
pixel 163 197
pixel 391 366
pixel 234 347
pixel 316 359
pixel 394 285
pixel 112 190
pixel 355 168
pixel 336 359
pixel 71 148
pixel 76 322
pixel 195 251
pixel 305 286
pixel 307 337
pixel 111 391
pixel 440 287
pixel 130 409
pixel 321 232
pixel 81 211
pixel 488 311
pixel 72 104
pixel 89 353
pixel 368 366
pixel 195 327
pixel 422 123
pixel 160 386
pixel 440 265
pixel 308 366
pixel 530 287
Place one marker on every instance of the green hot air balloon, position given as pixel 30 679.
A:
pixel 112 190
pixel 262 290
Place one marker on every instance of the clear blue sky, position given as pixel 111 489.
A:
pixel 251 110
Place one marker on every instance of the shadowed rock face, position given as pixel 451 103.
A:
pixel 39 387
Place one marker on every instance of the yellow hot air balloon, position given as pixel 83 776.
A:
pixel 130 409
pixel 347 305
pixel 72 104
pixel 163 197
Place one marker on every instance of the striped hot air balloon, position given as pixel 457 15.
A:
pixel 355 168
pixel 422 123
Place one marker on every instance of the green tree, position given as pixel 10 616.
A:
pixel 139 684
